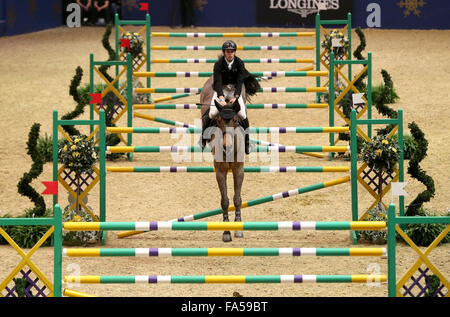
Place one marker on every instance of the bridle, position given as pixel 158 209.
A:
pixel 226 114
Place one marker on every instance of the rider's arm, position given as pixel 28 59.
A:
pixel 217 84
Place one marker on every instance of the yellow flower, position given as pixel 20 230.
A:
pixel 385 142
pixel 76 154
pixel 393 149
pixel 73 147
pixel 77 140
pixel 65 148
pixel 379 152
pixel 70 164
pixel 77 218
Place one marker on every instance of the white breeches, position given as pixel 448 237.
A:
pixel 228 92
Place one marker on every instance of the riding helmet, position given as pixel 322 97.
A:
pixel 229 45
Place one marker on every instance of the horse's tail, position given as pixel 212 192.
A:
pixel 251 85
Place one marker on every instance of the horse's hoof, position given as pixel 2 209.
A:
pixel 238 234
pixel 226 236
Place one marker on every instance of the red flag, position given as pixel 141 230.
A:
pixel 125 43
pixel 96 98
pixel 51 188
pixel 143 6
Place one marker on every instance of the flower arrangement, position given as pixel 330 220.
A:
pixel 378 213
pixel 136 43
pixel 83 238
pixel 339 51
pixel 78 154
pixel 381 155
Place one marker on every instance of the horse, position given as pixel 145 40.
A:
pixel 227 140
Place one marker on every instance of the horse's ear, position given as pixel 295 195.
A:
pixel 218 105
pixel 236 105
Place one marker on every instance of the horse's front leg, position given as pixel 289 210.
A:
pixel 221 177
pixel 238 177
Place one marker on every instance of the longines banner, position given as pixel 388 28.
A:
pixel 300 12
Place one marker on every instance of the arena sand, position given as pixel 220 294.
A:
pixel 37 69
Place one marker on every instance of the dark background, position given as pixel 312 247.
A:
pixel 23 16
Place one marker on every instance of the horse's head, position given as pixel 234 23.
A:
pixel 227 117
pixel 227 121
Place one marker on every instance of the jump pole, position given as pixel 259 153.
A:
pixel 209 74
pixel 239 48
pixel 250 203
pixel 220 225
pixel 197 149
pixel 235 34
pixel 178 96
pixel 224 279
pixel 249 106
pixel 199 90
pixel 256 130
pixel 245 60
pixel 177 252
pixel 210 169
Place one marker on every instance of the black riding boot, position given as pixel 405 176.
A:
pixel 245 126
pixel 206 122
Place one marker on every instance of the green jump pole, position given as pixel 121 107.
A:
pixel 354 170
pixel 116 28
pixel 147 49
pixel 102 163
pixel 401 176
pixel 392 275
pixel 129 102
pixel 91 88
pixel 55 150
pixel 349 36
pixel 57 251
pixel 331 101
pixel 369 93
pixel 317 53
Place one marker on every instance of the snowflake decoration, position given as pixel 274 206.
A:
pixel 411 6
pixel 130 4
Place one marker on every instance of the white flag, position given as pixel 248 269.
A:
pixel 398 189
pixel 357 98
pixel 336 43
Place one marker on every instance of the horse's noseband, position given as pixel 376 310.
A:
pixel 227 112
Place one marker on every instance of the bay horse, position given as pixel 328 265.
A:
pixel 227 143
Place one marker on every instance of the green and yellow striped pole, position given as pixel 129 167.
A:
pixel 224 279
pixel 210 169
pixel 221 225
pixel 181 252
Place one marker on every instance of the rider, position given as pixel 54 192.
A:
pixel 229 77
